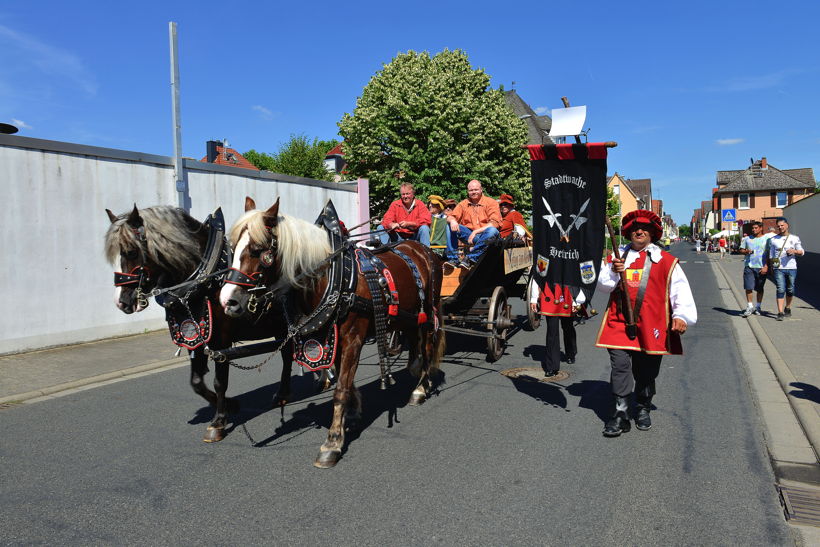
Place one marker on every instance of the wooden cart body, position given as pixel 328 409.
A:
pixel 475 300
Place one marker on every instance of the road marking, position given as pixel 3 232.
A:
pixel 699 261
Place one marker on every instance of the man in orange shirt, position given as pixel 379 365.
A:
pixel 474 220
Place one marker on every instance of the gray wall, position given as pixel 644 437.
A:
pixel 55 284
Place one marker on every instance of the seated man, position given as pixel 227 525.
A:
pixel 474 220
pixel 406 218
pixel 510 218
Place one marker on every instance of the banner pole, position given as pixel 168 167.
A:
pixel 631 327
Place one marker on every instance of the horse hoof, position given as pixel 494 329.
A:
pixel 214 434
pixel 327 459
pixel 417 399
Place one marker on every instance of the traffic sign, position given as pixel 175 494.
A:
pixel 729 215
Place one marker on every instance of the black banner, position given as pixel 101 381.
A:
pixel 568 208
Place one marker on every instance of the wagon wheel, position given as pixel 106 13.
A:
pixel 499 311
pixel 533 318
pixel 395 342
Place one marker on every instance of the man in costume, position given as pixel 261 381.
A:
pixel 754 247
pixel 406 218
pixel 555 311
pixel 474 221
pixel 510 218
pixel 784 248
pixel 663 308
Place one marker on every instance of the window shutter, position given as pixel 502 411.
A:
pixel 751 200
pixel 774 199
pixel 735 201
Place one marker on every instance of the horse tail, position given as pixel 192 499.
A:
pixel 439 340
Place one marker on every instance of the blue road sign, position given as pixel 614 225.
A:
pixel 729 215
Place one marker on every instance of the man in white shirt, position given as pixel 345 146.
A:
pixel 784 248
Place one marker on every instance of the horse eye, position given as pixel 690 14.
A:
pixel 254 252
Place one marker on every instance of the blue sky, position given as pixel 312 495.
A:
pixel 685 91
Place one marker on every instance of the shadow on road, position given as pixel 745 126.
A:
pixel 549 394
pixel 736 313
pixel 595 395
pixel 809 392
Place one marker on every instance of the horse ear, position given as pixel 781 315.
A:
pixel 134 219
pixel 272 214
pixel 250 204
pixel 111 216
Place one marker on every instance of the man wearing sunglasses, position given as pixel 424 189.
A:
pixel 663 309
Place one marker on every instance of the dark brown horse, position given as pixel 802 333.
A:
pixel 160 247
pixel 278 250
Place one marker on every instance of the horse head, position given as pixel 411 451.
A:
pixel 154 247
pixel 255 258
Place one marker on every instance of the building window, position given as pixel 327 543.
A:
pixel 782 199
pixel 743 201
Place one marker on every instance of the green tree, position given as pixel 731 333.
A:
pixel 684 230
pixel 434 121
pixel 613 212
pixel 298 157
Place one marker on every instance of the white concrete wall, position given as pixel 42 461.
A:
pixel 55 284
pixel 804 220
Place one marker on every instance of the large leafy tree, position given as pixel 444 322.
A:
pixel 434 121
pixel 298 157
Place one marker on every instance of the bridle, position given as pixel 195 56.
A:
pixel 139 275
pixel 253 282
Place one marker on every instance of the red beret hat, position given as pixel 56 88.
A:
pixel 642 216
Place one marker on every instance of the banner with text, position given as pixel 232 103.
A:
pixel 568 208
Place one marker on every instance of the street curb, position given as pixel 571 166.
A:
pixel 51 390
pixel 803 409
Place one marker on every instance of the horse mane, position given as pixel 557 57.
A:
pixel 170 243
pixel 301 245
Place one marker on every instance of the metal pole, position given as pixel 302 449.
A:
pixel 179 173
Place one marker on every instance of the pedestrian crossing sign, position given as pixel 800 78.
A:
pixel 729 215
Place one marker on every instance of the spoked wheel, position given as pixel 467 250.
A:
pixel 395 341
pixel 533 317
pixel 498 317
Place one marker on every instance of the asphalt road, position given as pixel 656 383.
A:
pixel 487 461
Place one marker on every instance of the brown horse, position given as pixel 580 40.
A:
pixel 279 250
pixel 162 246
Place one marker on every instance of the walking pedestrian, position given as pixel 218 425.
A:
pixel 783 250
pixel 697 246
pixel 754 247
pixel 663 308
pixel 722 246
pixel 557 310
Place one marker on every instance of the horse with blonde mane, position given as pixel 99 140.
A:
pixel 159 247
pixel 292 255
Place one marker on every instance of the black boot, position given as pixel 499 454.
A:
pixel 643 403
pixel 620 419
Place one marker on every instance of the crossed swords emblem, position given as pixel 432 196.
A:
pixel 577 220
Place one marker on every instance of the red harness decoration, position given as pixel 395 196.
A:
pixel 393 306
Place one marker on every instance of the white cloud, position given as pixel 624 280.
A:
pixel 264 113
pixel 27 50
pixel 729 142
pixel 21 124
pixel 541 110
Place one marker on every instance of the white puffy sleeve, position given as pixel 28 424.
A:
pixel 608 279
pixel 681 299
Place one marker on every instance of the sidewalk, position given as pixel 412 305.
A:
pixel 791 349
pixel 27 376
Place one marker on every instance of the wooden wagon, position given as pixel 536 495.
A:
pixel 475 300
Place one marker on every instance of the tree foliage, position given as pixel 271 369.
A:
pixel 684 230
pixel 434 121
pixel 298 157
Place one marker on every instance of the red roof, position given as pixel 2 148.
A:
pixel 336 151
pixel 229 156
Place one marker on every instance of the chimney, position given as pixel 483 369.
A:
pixel 763 163
pixel 211 154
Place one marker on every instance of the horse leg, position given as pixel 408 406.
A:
pixel 199 368
pixel 417 364
pixel 331 450
pixel 216 431
pixel 354 410
pixel 283 394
